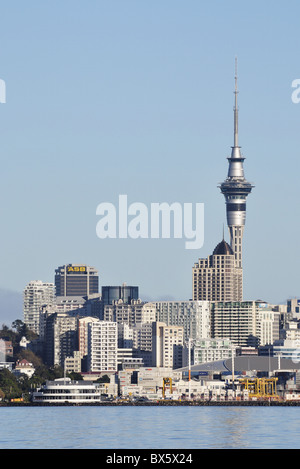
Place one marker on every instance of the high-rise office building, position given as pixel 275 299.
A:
pixel 235 190
pixel 217 278
pixel 36 295
pixel 76 280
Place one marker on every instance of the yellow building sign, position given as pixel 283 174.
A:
pixel 76 269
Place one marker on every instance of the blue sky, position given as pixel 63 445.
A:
pixel 135 97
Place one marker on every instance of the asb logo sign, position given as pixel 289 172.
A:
pixel 76 269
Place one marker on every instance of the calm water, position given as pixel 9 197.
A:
pixel 150 428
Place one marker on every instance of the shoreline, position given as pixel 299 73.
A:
pixel 159 404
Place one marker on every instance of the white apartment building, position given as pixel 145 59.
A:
pixel 293 308
pixel 125 335
pixel 35 296
pixel 73 363
pixel 142 336
pixel 268 325
pixel 167 345
pixel 61 337
pixel 61 304
pixel 289 347
pixel 127 359
pixel 292 331
pixel 193 316
pixel 245 323
pixel 208 350
pixel 131 314
pixel 103 346
pixel 137 338
pixel 83 334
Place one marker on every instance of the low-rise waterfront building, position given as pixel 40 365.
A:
pixel 153 382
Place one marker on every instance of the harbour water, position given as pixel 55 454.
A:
pixel 150 428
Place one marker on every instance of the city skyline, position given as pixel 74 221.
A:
pixel 105 107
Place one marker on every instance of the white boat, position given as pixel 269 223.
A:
pixel 64 390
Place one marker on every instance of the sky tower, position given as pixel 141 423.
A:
pixel 235 189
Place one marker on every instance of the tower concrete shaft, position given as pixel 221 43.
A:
pixel 235 189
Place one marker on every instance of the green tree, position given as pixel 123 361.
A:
pixel 18 325
pixel 6 333
pixel 75 376
pixel 103 379
pixel 9 384
pixel 30 357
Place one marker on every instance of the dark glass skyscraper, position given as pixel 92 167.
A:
pixel 76 280
pixel 115 293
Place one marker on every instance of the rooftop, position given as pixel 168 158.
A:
pixel 223 249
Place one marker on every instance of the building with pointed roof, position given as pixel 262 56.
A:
pixel 217 278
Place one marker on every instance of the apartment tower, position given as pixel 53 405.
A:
pixel 36 295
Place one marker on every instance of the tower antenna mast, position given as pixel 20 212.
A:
pixel 236 111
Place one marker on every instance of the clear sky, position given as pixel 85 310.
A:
pixel 136 97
